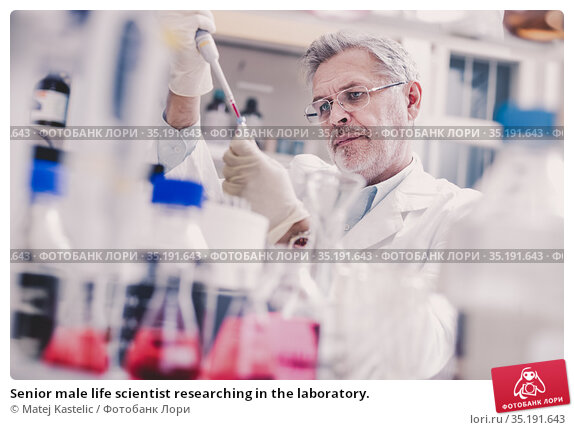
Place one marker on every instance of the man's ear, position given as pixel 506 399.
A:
pixel 414 94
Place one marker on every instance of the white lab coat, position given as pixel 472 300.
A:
pixel 199 167
pixel 417 214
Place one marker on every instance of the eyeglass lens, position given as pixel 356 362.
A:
pixel 350 100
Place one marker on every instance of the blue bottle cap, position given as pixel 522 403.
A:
pixel 177 192
pixel 45 177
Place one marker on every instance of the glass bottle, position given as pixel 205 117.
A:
pixel 78 339
pixel 51 101
pixel 40 284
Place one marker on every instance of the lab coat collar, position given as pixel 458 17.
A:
pixel 416 192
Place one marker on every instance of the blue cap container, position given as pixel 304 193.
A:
pixel 45 177
pixel 177 192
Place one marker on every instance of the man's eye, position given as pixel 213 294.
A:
pixel 355 95
pixel 325 107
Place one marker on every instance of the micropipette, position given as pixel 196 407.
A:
pixel 206 46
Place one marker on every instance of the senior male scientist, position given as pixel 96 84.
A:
pixel 401 207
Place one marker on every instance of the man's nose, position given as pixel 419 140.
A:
pixel 338 114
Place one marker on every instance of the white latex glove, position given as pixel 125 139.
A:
pixel 254 176
pixel 190 74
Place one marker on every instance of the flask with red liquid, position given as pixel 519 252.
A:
pixel 294 325
pixel 254 343
pixel 242 348
pixel 80 339
pixel 269 346
pixel 167 345
pixel 139 282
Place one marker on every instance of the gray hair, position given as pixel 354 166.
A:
pixel 395 62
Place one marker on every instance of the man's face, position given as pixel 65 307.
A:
pixel 355 152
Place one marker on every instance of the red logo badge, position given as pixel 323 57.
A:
pixel 529 386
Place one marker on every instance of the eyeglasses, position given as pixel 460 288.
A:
pixel 352 99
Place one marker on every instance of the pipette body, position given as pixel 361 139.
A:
pixel 208 49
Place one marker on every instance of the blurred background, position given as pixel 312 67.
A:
pixel 470 65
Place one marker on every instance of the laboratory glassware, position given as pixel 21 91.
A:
pixel 167 345
pixel 40 284
pixel 329 195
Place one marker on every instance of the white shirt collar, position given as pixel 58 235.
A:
pixel 372 195
pixel 388 185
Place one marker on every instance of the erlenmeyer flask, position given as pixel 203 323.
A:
pixel 242 346
pixel 167 344
pixel 236 331
pixel 80 338
pixel 329 197
pixel 293 325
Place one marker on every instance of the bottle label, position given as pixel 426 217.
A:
pixel 49 106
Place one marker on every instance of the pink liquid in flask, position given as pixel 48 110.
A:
pixel 240 351
pixel 157 353
pixel 79 348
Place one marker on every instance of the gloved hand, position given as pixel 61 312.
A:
pixel 190 74
pixel 254 176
